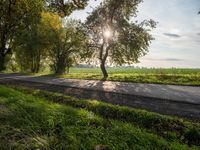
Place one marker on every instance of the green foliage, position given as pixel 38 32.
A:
pixel 29 122
pixel 30 53
pixel 65 8
pixel 15 16
pixel 49 27
pixel 67 46
pixel 12 65
pixel 33 43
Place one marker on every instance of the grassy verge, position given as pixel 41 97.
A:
pixel 141 78
pixel 33 119
pixel 142 75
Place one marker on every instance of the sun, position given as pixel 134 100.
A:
pixel 107 33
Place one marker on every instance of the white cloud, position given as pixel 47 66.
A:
pixel 175 17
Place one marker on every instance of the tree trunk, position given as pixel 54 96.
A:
pixel 103 59
pixel 2 53
pixel 2 62
pixel 60 66
pixel 67 69
pixel 104 71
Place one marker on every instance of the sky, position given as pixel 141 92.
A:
pixel 177 35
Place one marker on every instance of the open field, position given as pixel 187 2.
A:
pixel 34 119
pixel 143 75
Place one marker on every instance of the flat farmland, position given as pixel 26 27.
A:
pixel 175 76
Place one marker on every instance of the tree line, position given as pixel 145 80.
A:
pixel 35 34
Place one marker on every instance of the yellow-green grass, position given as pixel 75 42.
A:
pixel 142 75
pixel 35 119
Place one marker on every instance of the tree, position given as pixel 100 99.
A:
pixel 112 34
pixel 68 43
pixel 15 16
pixel 30 49
pixel 34 43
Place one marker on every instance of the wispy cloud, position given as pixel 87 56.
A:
pixel 198 34
pixel 164 59
pixel 172 35
pixel 172 59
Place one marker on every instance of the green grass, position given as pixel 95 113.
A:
pixel 34 119
pixel 140 75
pixel 130 70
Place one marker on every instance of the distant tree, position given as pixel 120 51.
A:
pixel 112 34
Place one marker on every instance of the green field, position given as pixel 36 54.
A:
pixel 34 119
pixel 141 75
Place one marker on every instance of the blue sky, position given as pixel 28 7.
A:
pixel 177 36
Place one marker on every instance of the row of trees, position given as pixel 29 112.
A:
pixel 34 34
pixel 19 15
pixel 49 42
